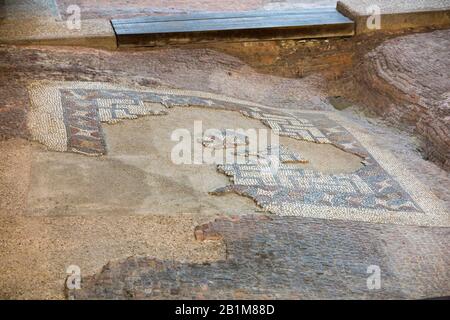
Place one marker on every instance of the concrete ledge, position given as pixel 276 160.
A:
pixel 95 33
pixel 398 16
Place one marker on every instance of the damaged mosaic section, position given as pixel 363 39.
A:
pixel 297 128
pixel 368 194
pixel 67 116
pixel 241 145
pixel 291 190
pixel 224 139
pixel 288 189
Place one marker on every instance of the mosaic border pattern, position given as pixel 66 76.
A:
pixel 50 124
pixel 66 116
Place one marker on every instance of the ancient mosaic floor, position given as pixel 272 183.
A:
pixel 68 116
pixel 317 233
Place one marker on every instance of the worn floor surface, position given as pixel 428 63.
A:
pixel 283 258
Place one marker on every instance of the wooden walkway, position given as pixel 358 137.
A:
pixel 231 27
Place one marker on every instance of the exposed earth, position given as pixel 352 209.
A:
pixel 88 176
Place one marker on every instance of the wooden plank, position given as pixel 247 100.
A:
pixel 225 24
pixel 226 19
pixel 221 15
pixel 249 26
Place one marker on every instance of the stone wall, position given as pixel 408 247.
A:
pixel 406 80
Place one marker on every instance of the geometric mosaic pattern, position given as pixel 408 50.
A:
pixel 308 127
pixel 239 142
pixel 285 155
pixel 287 189
pixel 289 177
pixel 297 128
pixel 67 117
pixel 83 121
pixel 224 139
pixel 114 110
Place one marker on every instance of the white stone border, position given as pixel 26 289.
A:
pixel 45 118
